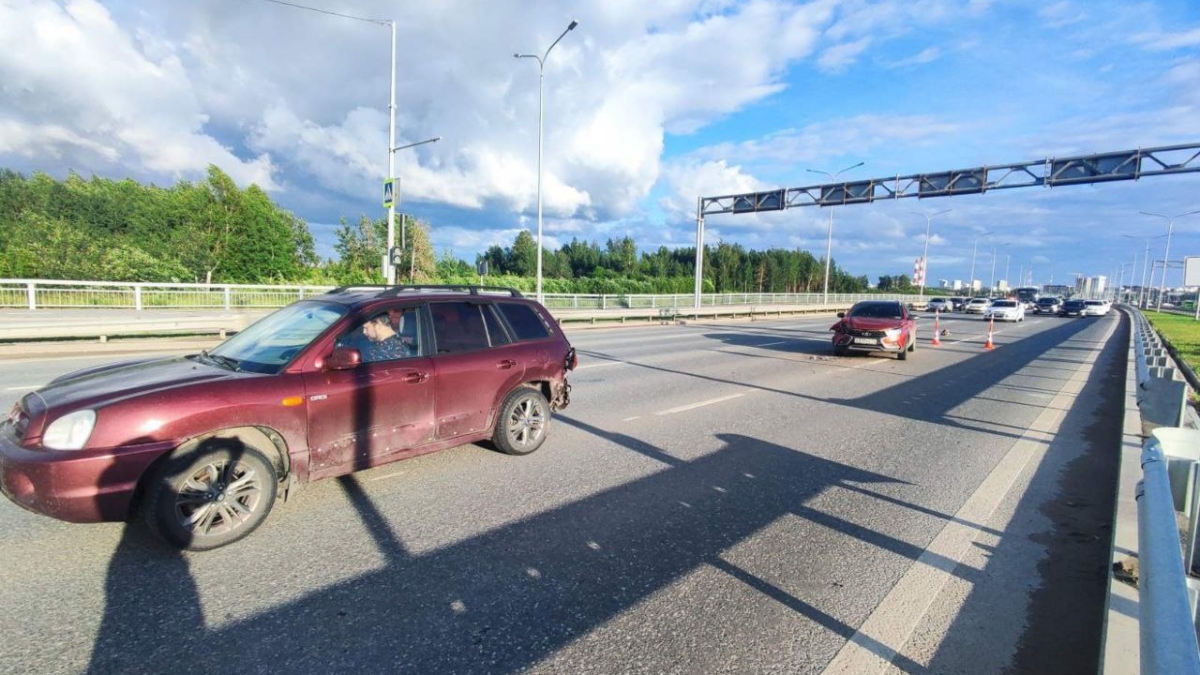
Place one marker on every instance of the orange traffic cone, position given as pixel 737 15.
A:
pixel 936 329
pixel 988 344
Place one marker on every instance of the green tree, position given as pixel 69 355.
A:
pixel 522 257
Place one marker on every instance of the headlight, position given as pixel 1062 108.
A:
pixel 892 333
pixel 70 432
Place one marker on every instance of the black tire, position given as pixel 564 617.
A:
pixel 523 422
pixel 903 353
pixel 211 496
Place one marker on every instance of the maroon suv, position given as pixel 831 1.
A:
pixel 352 379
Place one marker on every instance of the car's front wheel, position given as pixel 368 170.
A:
pixel 523 422
pixel 211 496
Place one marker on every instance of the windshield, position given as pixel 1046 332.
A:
pixel 877 310
pixel 1004 303
pixel 271 342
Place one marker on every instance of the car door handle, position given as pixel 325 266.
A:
pixel 506 364
pixel 415 377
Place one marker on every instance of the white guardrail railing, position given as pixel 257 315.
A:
pixel 1170 484
pixel 36 294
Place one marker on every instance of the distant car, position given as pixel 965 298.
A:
pixel 875 326
pixel 976 305
pixel 1071 308
pixel 1047 305
pixel 1094 308
pixel 958 303
pixel 1005 310
pixel 939 305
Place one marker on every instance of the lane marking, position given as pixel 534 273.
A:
pixel 602 365
pixel 701 404
pixel 768 344
pixel 630 419
pixel 888 629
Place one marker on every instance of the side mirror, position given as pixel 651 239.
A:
pixel 841 315
pixel 343 358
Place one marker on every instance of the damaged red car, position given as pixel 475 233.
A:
pixel 200 445
pixel 875 326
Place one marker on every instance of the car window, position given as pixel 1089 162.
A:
pixel 464 327
pixel 385 335
pixel 1004 303
pixel 272 342
pixel 525 322
pixel 877 311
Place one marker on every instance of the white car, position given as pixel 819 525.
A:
pixel 1005 310
pixel 976 306
pixel 1094 308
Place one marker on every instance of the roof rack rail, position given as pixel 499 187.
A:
pixel 449 288
pixel 387 291
pixel 358 288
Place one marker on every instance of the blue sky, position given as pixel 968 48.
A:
pixel 647 107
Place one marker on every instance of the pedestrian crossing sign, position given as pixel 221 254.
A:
pixel 388 193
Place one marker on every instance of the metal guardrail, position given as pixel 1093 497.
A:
pixel 1160 396
pixel 34 294
pixel 1170 482
pixel 1167 620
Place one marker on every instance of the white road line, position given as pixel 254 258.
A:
pixel 601 365
pixel 630 419
pixel 887 631
pixel 26 388
pixel 768 344
pixel 701 404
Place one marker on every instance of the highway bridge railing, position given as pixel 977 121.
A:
pixel 1169 490
pixel 35 294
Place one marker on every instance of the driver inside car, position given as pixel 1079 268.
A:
pixel 386 344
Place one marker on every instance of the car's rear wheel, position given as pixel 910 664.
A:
pixel 523 422
pixel 211 496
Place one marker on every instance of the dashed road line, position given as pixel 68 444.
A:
pixel 701 404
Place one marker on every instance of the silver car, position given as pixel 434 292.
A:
pixel 976 306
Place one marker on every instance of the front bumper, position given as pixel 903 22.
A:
pixel 85 486
pixel 846 342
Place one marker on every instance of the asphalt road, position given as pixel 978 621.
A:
pixel 719 498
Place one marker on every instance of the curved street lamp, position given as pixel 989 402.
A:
pixel 925 254
pixel 992 288
pixel 1167 252
pixel 974 249
pixel 541 79
pixel 1142 295
pixel 829 237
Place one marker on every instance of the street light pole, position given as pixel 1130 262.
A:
pixel 971 279
pixel 829 235
pixel 925 253
pixel 1167 252
pixel 541 79
pixel 395 202
pixel 992 289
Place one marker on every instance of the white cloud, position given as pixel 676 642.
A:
pixel 927 55
pixel 81 88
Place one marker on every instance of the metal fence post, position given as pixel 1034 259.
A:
pixel 137 297
pixel 31 295
pixel 228 304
